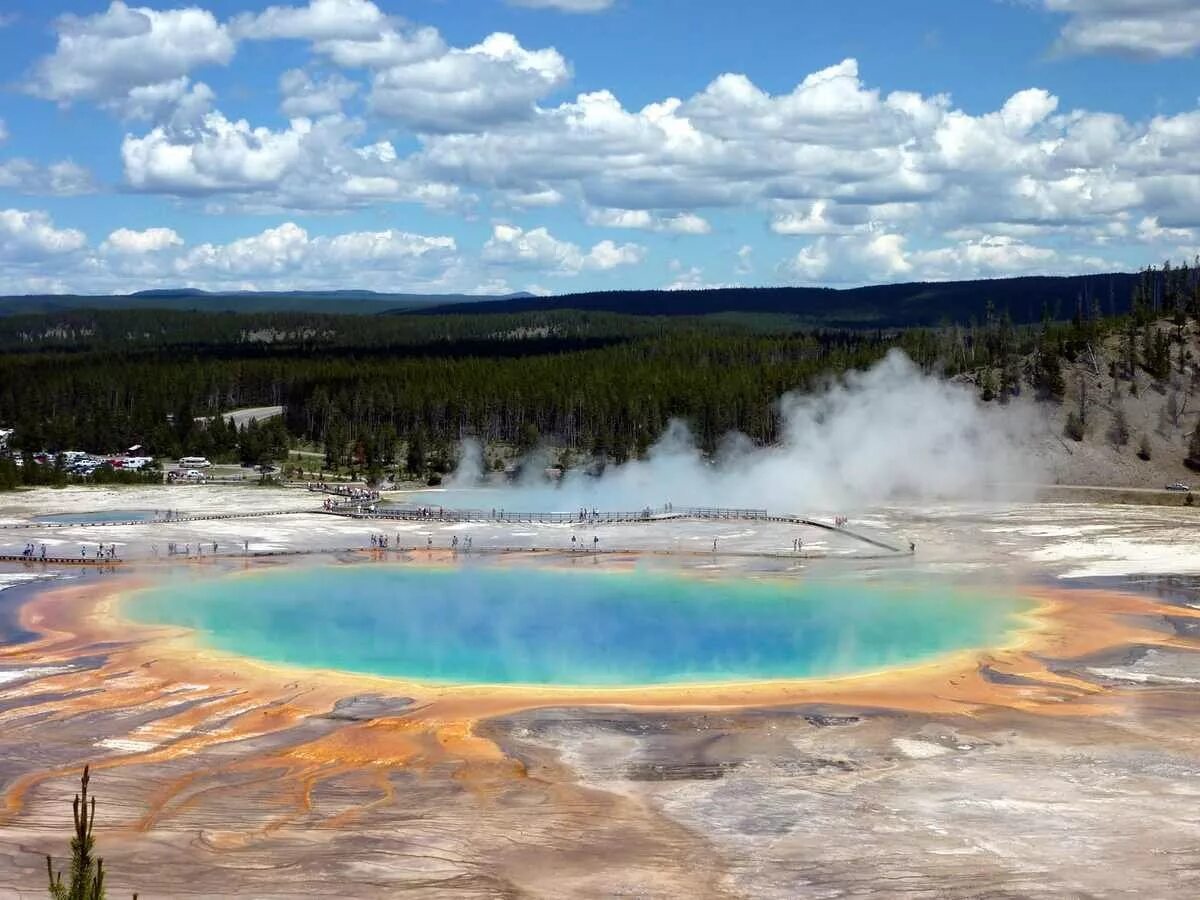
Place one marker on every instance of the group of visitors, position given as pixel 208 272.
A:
pixel 30 551
pixel 577 544
pixel 102 552
pixel 174 549
pixel 345 490
pixel 798 545
pixel 380 541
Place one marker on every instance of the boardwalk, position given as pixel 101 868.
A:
pixel 366 508
pixel 172 520
pixel 60 560
pixel 360 510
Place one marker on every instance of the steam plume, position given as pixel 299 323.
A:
pixel 886 434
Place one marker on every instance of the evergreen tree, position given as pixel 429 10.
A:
pixel 1048 377
pixel 1118 432
pixel 1074 428
pixel 415 460
pixel 86 880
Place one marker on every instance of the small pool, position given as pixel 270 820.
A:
pixel 99 517
pixel 485 624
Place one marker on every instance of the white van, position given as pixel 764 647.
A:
pixel 193 462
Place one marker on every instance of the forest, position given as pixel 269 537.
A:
pixel 402 390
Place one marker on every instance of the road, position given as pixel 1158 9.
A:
pixel 240 417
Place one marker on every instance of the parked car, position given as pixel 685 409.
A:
pixel 1178 486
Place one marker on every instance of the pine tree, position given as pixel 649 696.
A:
pixel 87 871
pixel 1119 432
pixel 415 459
pixel 1074 427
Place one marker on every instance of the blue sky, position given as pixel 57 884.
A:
pixel 561 145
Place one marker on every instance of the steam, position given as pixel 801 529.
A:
pixel 889 433
pixel 470 470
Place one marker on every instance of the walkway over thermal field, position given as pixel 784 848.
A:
pixel 359 510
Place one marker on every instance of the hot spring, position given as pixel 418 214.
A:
pixel 483 624
pixel 98 517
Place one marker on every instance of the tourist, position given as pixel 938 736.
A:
pixel 714 545
pixel 595 544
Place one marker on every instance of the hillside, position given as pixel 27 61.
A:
pixel 1025 300
pixel 1108 454
pixel 347 302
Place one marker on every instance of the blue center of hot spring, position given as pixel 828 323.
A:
pixel 491 625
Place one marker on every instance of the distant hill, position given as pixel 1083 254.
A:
pixel 348 302
pixel 878 306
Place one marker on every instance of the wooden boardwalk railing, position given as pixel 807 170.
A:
pixel 361 510
pixel 368 510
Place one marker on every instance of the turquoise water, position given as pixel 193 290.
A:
pixel 493 625
pixel 97 517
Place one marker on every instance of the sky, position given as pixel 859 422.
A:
pixel 552 146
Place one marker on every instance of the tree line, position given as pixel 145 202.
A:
pixel 402 390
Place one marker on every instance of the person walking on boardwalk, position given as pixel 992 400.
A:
pixel 573 543
pixel 714 545
pixel 595 544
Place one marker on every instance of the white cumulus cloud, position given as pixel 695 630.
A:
pixel 537 249
pixel 106 56
pixel 31 236
pixel 150 240
pixel 1147 28
pixel 494 81
pixel 304 95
